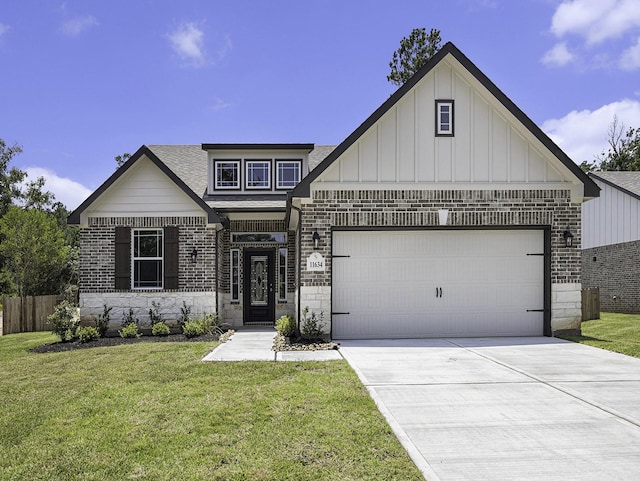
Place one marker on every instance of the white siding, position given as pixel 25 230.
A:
pixel 612 218
pixel 144 190
pixel 490 145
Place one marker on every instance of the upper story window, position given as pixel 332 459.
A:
pixel 258 174
pixel 444 118
pixel 287 173
pixel 147 258
pixel 227 174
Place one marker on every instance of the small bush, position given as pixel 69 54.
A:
pixel 286 326
pixel 154 313
pixel 64 321
pixel 185 314
pixel 102 323
pixel 209 324
pixel 192 329
pixel 129 330
pixel 311 326
pixel 129 319
pixel 160 329
pixel 87 334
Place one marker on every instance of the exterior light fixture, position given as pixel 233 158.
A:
pixel 194 255
pixel 568 238
pixel 316 239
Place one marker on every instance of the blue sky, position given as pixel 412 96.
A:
pixel 84 81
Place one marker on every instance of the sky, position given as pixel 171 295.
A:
pixel 83 81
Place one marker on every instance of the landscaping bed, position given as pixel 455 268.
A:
pixel 283 343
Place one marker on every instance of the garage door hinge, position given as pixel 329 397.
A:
pixel 333 257
pixel 535 310
pixel 536 254
pixel 340 313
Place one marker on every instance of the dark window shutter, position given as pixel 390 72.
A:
pixel 123 258
pixel 171 262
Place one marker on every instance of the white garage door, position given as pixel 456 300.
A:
pixel 449 283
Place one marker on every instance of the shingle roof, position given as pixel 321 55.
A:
pixel 626 181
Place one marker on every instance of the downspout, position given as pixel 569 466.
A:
pixel 299 246
pixel 217 269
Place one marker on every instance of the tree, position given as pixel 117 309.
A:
pixel 10 178
pixel 413 53
pixel 35 252
pixel 624 148
pixel 121 159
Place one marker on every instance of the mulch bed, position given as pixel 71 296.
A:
pixel 116 341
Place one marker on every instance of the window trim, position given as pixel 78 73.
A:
pixel 237 163
pixel 441 132
pixel 134 259
pixel 298 162
pixel 282 272
pixel 249 162
pixel 231 276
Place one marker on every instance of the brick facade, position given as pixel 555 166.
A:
pixel 615 269
pixel 467 208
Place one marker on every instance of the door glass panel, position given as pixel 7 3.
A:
pixel 259 280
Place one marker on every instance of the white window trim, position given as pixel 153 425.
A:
pixel 249 162
pixel 134 259
pixel 216 186
pixel 285 161
pixel 231 252
pixel 440 131
pixel 280 271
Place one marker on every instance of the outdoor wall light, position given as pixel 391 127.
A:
pixel 568 238
pixel 316 239
pixel 194 255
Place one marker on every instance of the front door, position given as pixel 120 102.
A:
pixel 259 280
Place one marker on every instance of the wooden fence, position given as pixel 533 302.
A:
pixel 590 303
pixel 29 316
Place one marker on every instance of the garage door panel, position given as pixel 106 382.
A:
pixel 391 281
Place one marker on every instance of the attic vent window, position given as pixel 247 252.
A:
pixel 444 118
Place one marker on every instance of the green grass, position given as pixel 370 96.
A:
pixel 153 411
pixel 614 332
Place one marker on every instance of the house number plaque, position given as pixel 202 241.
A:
pixel 315 262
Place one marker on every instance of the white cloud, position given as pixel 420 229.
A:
pixel 558 56
pixel 67 191
pixel 583 134
pixel 630 59
pixel 76 25
pixel 4 29
pixel 188 42
pixel 219 104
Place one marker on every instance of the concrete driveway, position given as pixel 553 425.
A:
pixel 507 408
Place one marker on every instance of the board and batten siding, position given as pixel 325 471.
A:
pixel 612 218
pixel 489 146
pixel 144 190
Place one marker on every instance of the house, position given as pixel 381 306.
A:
pixel 611 241
pixel 448 212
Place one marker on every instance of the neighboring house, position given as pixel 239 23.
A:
pixel 444 214
pixel 611 241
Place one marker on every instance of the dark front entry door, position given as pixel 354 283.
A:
pixel 259 281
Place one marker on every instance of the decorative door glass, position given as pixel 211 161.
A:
pixel 259 281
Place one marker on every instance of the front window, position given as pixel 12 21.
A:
pixel 235 275
pixel 282 277
pixel 147 258
pixel 258 174
pixel 227 174
pixel 444 118
pixel 288 173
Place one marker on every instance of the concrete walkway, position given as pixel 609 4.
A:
pixel 506 408
pixel 254 344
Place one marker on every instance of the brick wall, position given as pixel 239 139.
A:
pixel 615 269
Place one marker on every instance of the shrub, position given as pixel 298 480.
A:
pixel 286 326
pixel 160 329
pixel 185 314
pixel 192 329
pixel 129 330
pixel 209 324
pixel 64 321
pixel 311 326
pixel 87 334
pixel 129 319
pixel 154 313
pixel 102 323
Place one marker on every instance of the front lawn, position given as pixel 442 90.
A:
pixel 615 332
pixel 153 411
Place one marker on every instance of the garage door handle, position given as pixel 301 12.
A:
pixel 441 292
pixel 438 292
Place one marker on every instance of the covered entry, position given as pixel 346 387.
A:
pixel 438 283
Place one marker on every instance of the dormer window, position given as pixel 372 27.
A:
pixel 444 118
pixel 227 174
pixel 258 174
pixel 288 173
